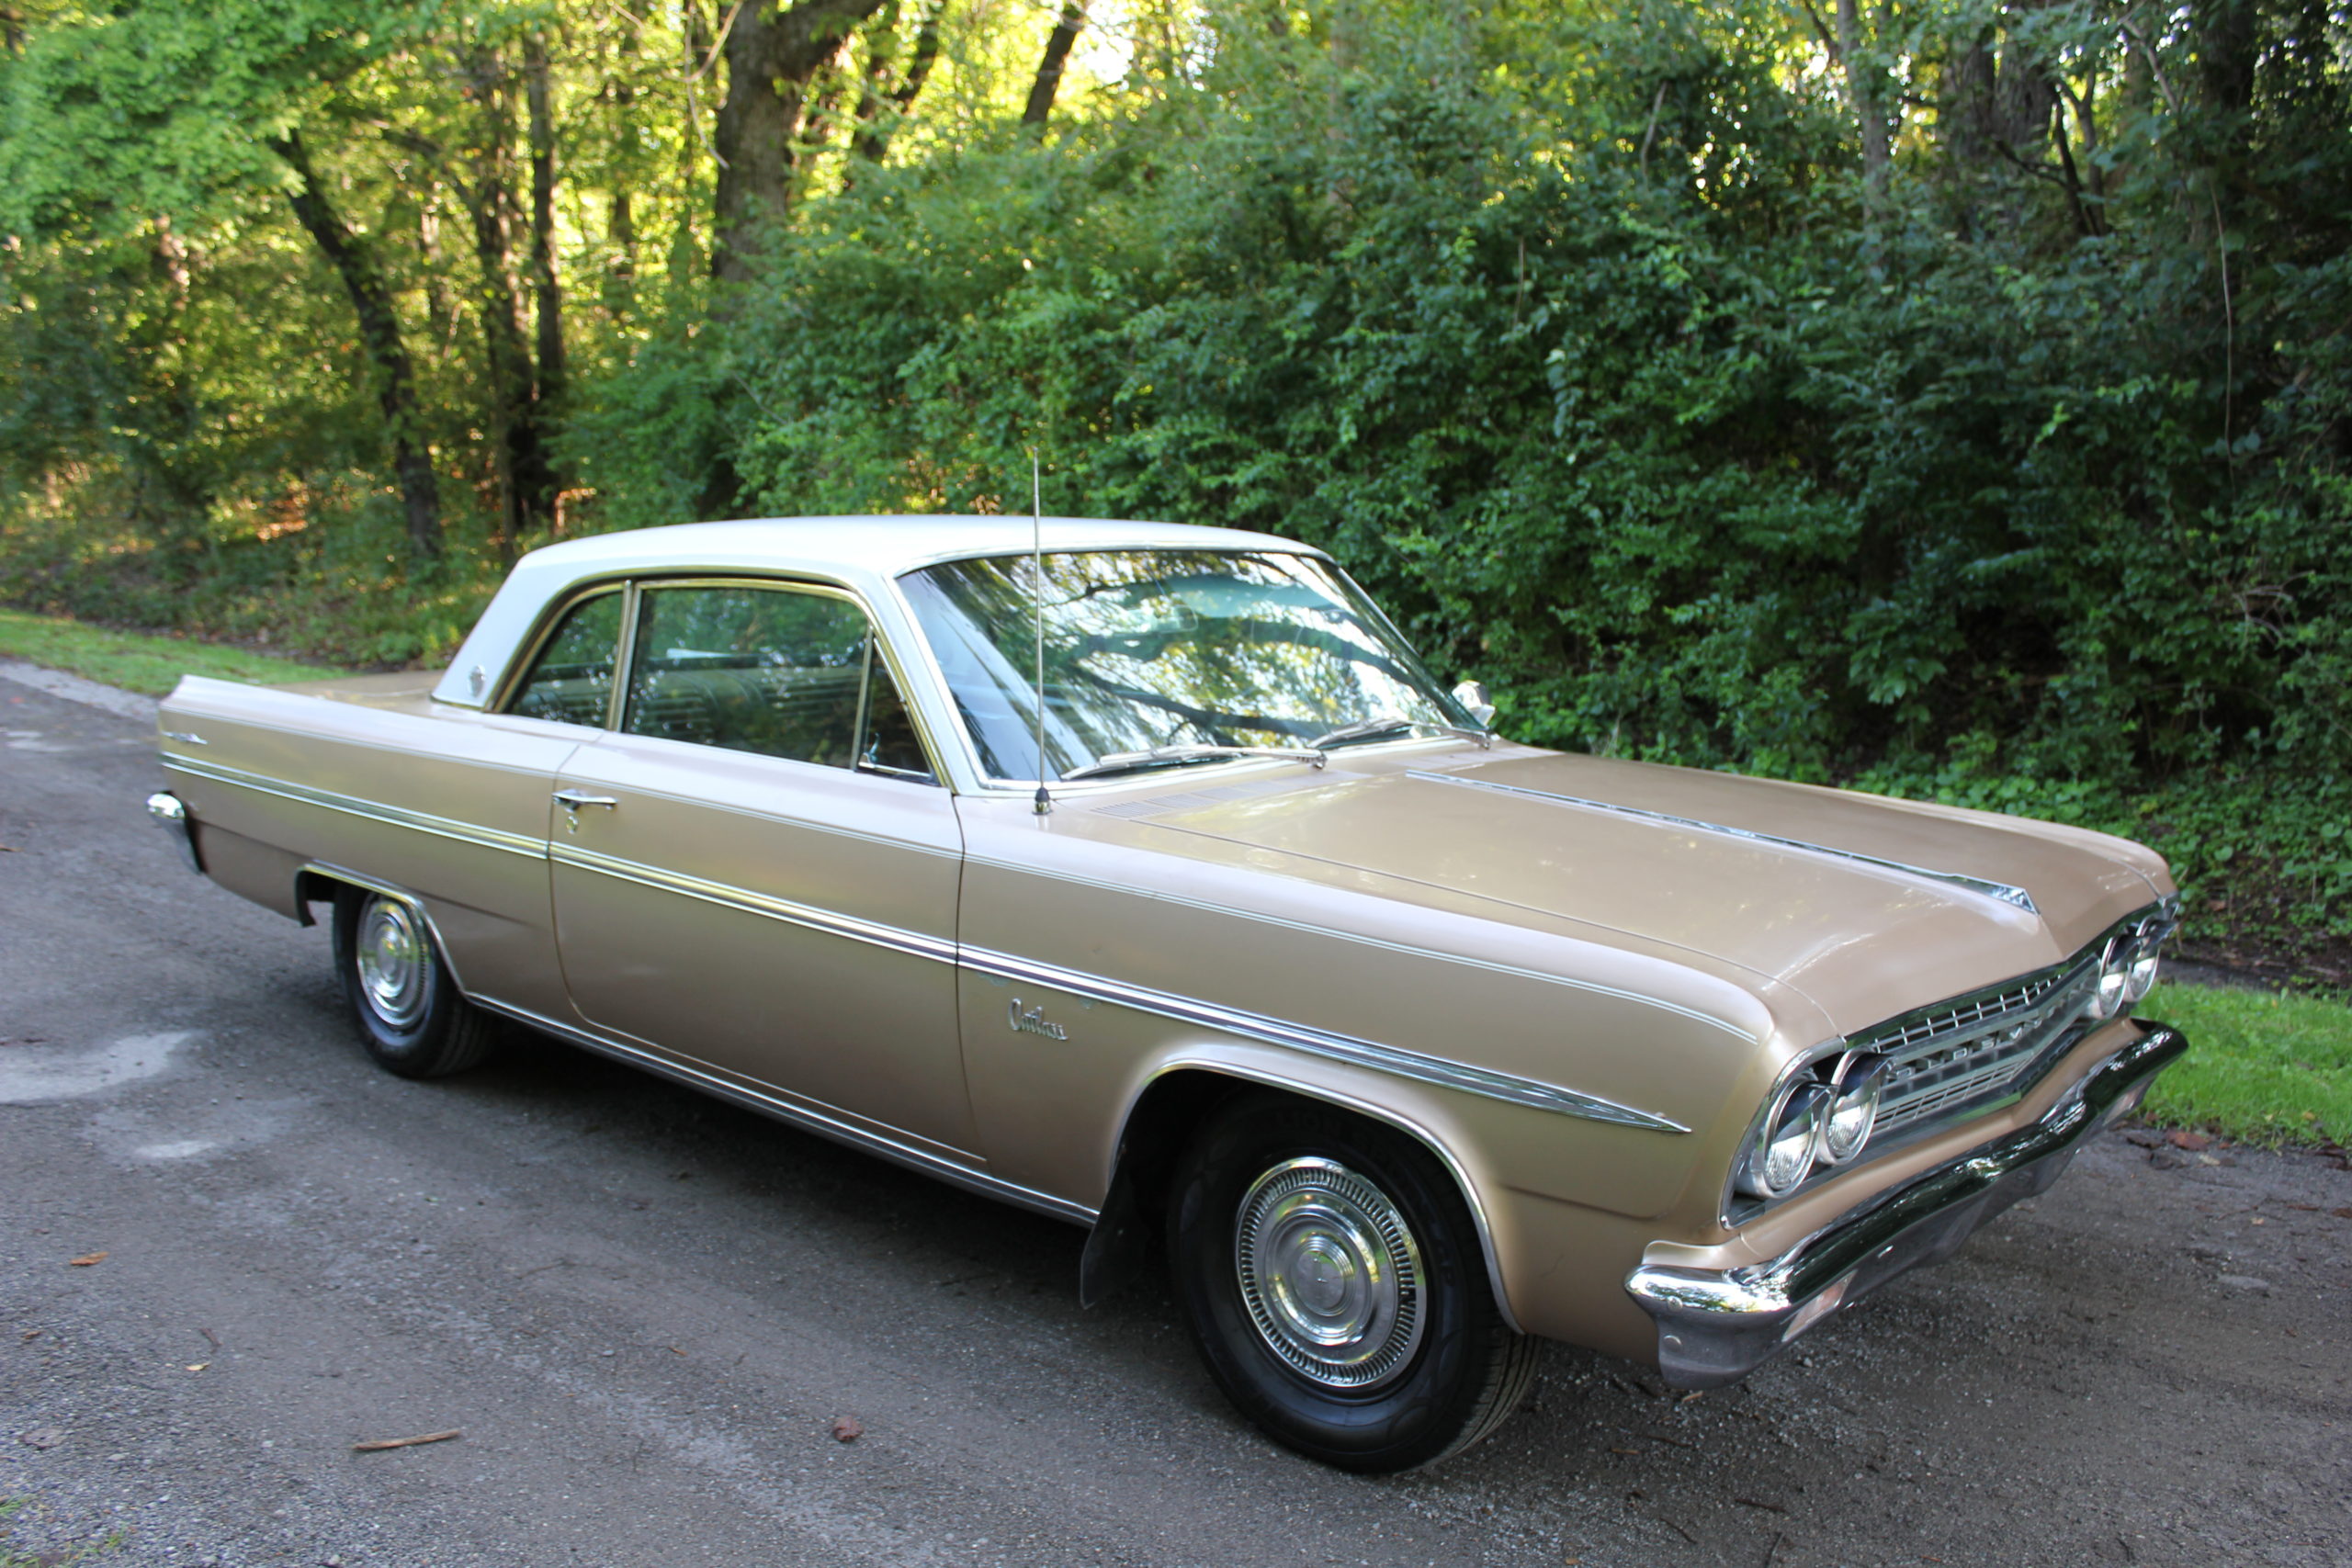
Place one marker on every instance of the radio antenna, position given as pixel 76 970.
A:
pixel 1045 802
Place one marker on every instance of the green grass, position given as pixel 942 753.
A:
pixel 136 661
pixel 2263 1067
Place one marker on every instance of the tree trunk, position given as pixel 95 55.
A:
pixel 546 290
pixel 772 53
pixel 526 477
pixel 379 332
pixel 875 126
pixel 696 43
pixel 1866 95
pixel 1049 69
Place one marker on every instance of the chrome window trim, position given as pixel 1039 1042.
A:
pixel 353 805
pixel 803 1117
pixel 1387 1059
pixel 876 639
pixel 2001 891
pixel 502 696
pixel 979 781
pixel 1471 1197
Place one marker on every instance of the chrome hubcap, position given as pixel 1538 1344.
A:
pixel 1330 1274
pixel 395 963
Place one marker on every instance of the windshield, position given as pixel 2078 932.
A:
pixel 1151 648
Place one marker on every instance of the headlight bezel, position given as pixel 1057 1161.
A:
pixel 2136 939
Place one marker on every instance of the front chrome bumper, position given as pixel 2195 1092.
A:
pixel 1716 1326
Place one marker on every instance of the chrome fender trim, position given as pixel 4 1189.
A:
pixel 386 890
pixel 1210 1062
pixel 1355 1052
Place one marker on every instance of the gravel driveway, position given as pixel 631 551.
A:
pixel 230 1249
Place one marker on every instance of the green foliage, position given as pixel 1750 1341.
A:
pixel 2262 1067
pixel 1965 412
pixel 136 663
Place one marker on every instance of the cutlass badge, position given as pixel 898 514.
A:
pixel 1032 1021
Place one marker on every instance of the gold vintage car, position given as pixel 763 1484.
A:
pixel 1141 875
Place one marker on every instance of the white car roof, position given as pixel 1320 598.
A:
pixel 863 554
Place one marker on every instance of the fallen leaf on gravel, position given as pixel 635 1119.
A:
pixel 376 1445
pixel 2342 1213
pixel 43 1437
pixel 197 1366
pixel 847 1431
pixel 31 1335
pixel 2192 1142
pixel 85 1261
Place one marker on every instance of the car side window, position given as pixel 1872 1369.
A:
pixel 571 680
pixel 769 670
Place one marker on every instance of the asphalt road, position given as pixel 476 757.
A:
pixel 646 1312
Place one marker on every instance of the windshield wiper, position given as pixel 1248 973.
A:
pixel 1127 761
pixel 1389 724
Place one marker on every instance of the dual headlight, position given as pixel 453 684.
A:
pixel 1824 1117
pixel 1816 1121
pixel 2127 970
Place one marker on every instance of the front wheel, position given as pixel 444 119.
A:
pixel 411 1018
pixel 1329 1269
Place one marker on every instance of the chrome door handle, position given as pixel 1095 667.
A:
pixel 573 799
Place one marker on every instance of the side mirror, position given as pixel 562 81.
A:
pixel 1472 695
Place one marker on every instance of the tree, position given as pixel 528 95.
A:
pixel 772 53
pixel 1049 79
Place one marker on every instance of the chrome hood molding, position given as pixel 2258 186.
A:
pixel 2016 897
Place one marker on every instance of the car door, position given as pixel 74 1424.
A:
pixel 755 873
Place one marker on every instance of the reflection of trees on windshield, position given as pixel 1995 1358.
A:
pixel 1156 647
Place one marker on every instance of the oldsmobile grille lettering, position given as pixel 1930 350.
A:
pixel 1033 1021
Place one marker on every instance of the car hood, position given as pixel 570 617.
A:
pixel 1856 901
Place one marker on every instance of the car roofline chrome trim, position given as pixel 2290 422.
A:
pixel 802 1117
pixel 2000 892
pixel 1344 1048
pixel 353 806
pixel 1471 1197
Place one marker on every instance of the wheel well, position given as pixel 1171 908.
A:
pixel 1166 1115
pixel 314 888
pixel 1164 1119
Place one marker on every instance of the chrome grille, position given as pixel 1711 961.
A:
pixel 1943 1058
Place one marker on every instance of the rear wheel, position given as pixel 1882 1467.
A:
pixel 1329 1269
pixel 410 1016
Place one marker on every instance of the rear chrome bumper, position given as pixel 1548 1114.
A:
pixel 1716 1326
pixel 171 815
